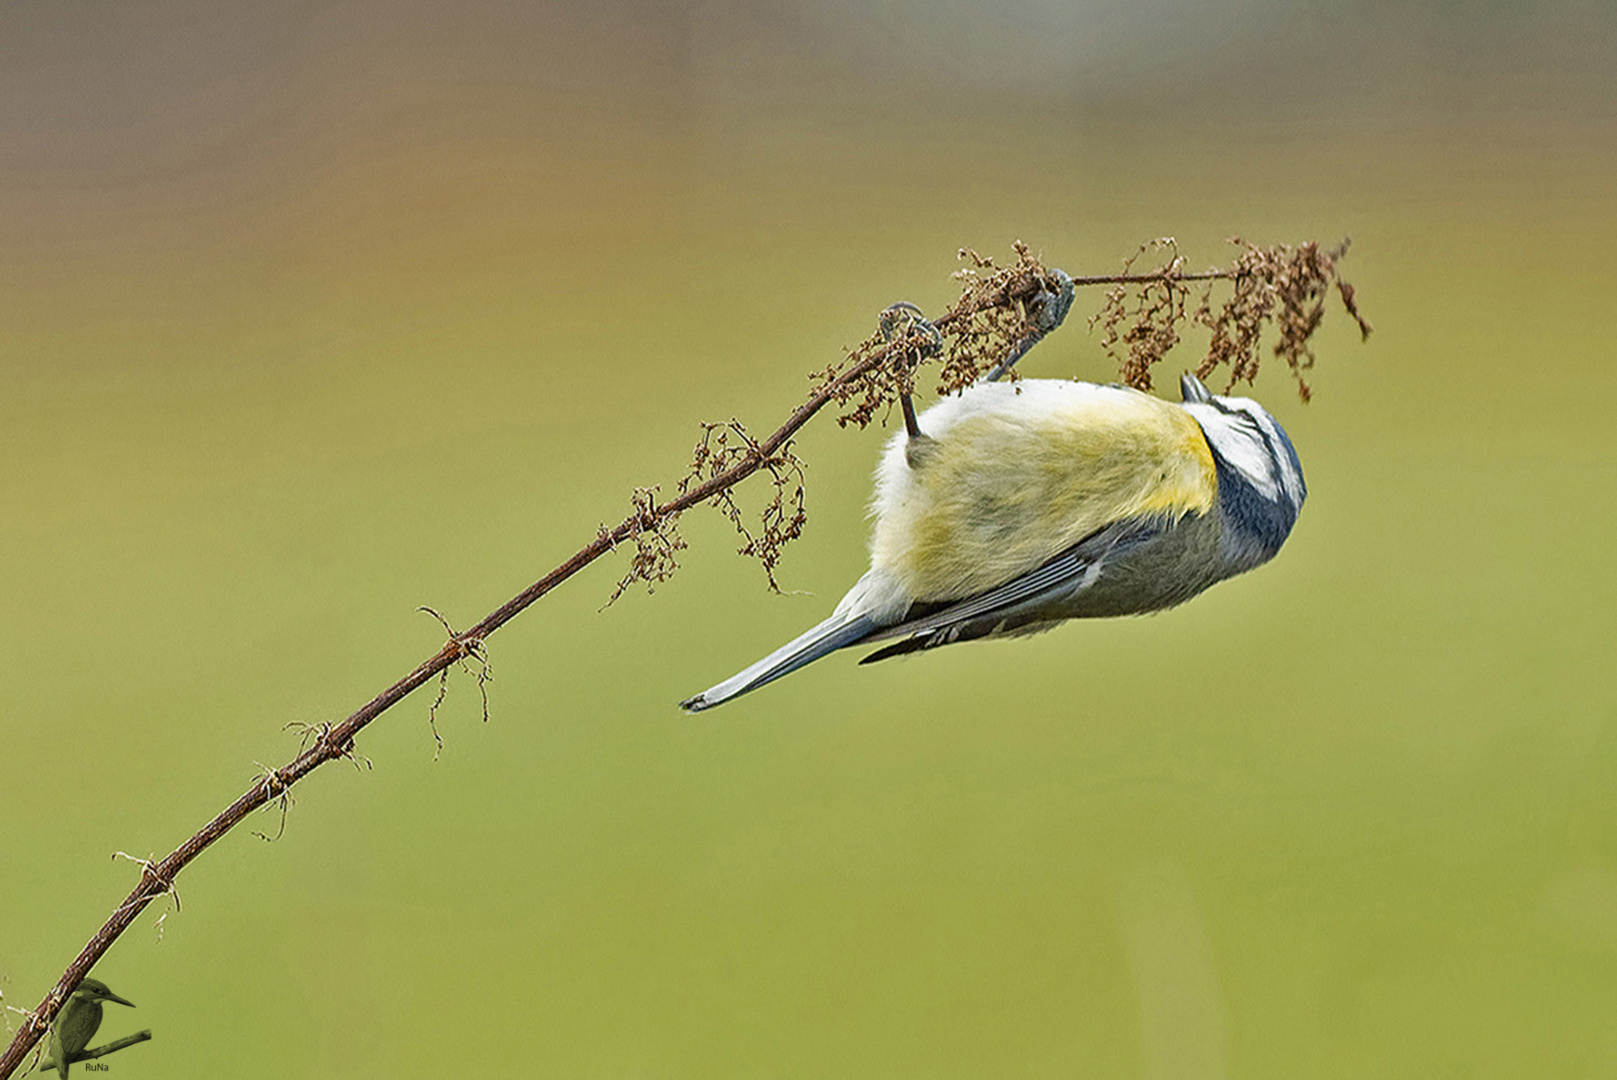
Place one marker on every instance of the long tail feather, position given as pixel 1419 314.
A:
pixel 837 632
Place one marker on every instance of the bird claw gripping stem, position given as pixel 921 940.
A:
pixel 1045 310
pixel 905 321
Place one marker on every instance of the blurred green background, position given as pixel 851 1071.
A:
pixel 311 313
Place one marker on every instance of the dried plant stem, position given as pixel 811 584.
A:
pixel 331 742
pixel 1155 276
pixel 1001 310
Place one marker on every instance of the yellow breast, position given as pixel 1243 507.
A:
pixel 1016 477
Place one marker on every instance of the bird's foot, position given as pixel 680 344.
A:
pixel 904 322
pixel 1042 312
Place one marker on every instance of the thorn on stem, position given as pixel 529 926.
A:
pixel 149 876
pixel 323 736
pixel 277 791
pixel 460 648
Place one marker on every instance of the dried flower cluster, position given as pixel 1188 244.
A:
pixel 722 448
pixel 1144 315
pixel 1279 284
pixel 1294 280
pixel 782 517
pixel 657 543
pixel 1000 310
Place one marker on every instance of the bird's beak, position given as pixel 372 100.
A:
pixel 1193 391
pixel 114 997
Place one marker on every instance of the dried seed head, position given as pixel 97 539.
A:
pixel 782 517
pixel 1146 317
pixel 1281 285
pixel 657 543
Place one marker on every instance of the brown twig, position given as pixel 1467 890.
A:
pixel 998 311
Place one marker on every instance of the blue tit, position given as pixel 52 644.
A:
pixel 1014 506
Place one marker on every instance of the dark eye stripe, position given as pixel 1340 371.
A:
pixel 1274 453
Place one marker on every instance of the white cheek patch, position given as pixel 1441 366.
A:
pixel 1249 441
pixel 1245 451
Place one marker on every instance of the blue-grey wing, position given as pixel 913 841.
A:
pixel 1023 601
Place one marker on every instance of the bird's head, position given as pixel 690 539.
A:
pixel 96 990
pixel 1260 479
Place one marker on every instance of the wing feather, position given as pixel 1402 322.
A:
pixel 1066 575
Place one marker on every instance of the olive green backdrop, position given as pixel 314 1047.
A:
pixel 313 313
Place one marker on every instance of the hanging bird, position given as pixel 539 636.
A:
pixel 77 1023
pixel 1013 506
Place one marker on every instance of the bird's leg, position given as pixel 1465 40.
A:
pixel 904 320
pixel 911 427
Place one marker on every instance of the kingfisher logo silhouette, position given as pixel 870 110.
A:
pixel 77 1024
